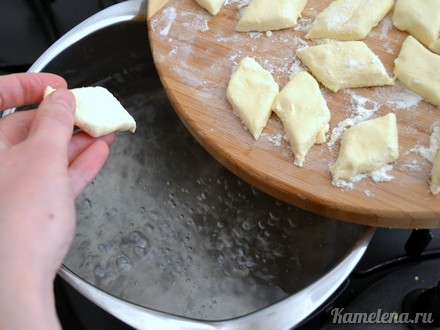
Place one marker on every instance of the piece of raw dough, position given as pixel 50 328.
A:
pixel 349 19
pixel 419 70
pixel 435 175
pixel 251 92
pixel 304 114
pixel 348 64
pixel 98 112
pixel 264 15
pixel 435 46
pixel 420 18
pixel 212 6
pixel 366 147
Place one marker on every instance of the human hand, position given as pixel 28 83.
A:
pixel 42 169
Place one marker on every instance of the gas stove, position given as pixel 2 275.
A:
pixel 397 267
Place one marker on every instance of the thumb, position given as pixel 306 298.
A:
pixel 54 120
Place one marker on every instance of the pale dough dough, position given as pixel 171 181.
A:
pixel 366 147
pixel 435 46
pixel 251 92
pixel 212 6
pixel 419 70
pixel 349 19
pixel 421 18
pixel 304 114
pixel 98 112
pixel 435 175
pixel 264 15
pixel 348 64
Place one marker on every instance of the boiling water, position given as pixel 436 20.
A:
pixel 166 226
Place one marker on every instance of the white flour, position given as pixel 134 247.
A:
pixel 165 21
pixel 362 109
pixel 380 175
pixel 430 152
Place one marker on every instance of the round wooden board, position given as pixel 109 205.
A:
pixel 195 54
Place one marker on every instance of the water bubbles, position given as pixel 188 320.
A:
pixel 238 232
pixel 246 225
pixel 104 248
pixel 148 228
pixel 140 251
pixel 138 239
pixel 99 272
pixel 279 252
pixel 139 243
pixel 123 263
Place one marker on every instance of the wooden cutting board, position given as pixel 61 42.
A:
pixel 195 54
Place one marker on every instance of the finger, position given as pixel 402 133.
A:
pixel 15 128
pixel 53 123
pixel 82 141
pixel 26 88
pixel 86 166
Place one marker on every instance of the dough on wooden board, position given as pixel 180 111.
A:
pixel 366 147
pixel 419 70
pixel 98 112
pixel 435 175
pixel 421 18
pixel 251 92
pixel 349 64
pixel 349 19
pixel 264 15
pixel 212 6
pixel 304 114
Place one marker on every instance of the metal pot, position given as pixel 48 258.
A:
pixel 167 237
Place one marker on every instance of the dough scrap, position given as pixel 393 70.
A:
pixel 348 64
pixel 98 112
pixel 264 15
pixel 419 70
pixel 212 6
pixel 366 147
pixel 420 18
pixel 349 19
pixel 251 92
pixel 435 46
pixel 304 114
pixel 435 175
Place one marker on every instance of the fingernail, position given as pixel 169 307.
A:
pixel 64 98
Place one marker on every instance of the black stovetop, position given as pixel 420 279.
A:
pixel 385 275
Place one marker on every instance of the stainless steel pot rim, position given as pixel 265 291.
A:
pixel 121 12
pixel 282 315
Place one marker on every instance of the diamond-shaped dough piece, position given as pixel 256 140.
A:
pixel 421 18
pixel 435 175
pixel 98 112
pixel 366 147
pixel 251 92
pixel 419 70
pixel 348 64
pixel 264 15
pixel 304 114
pixel 435 46
pixel 212 6
pixel 349 19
